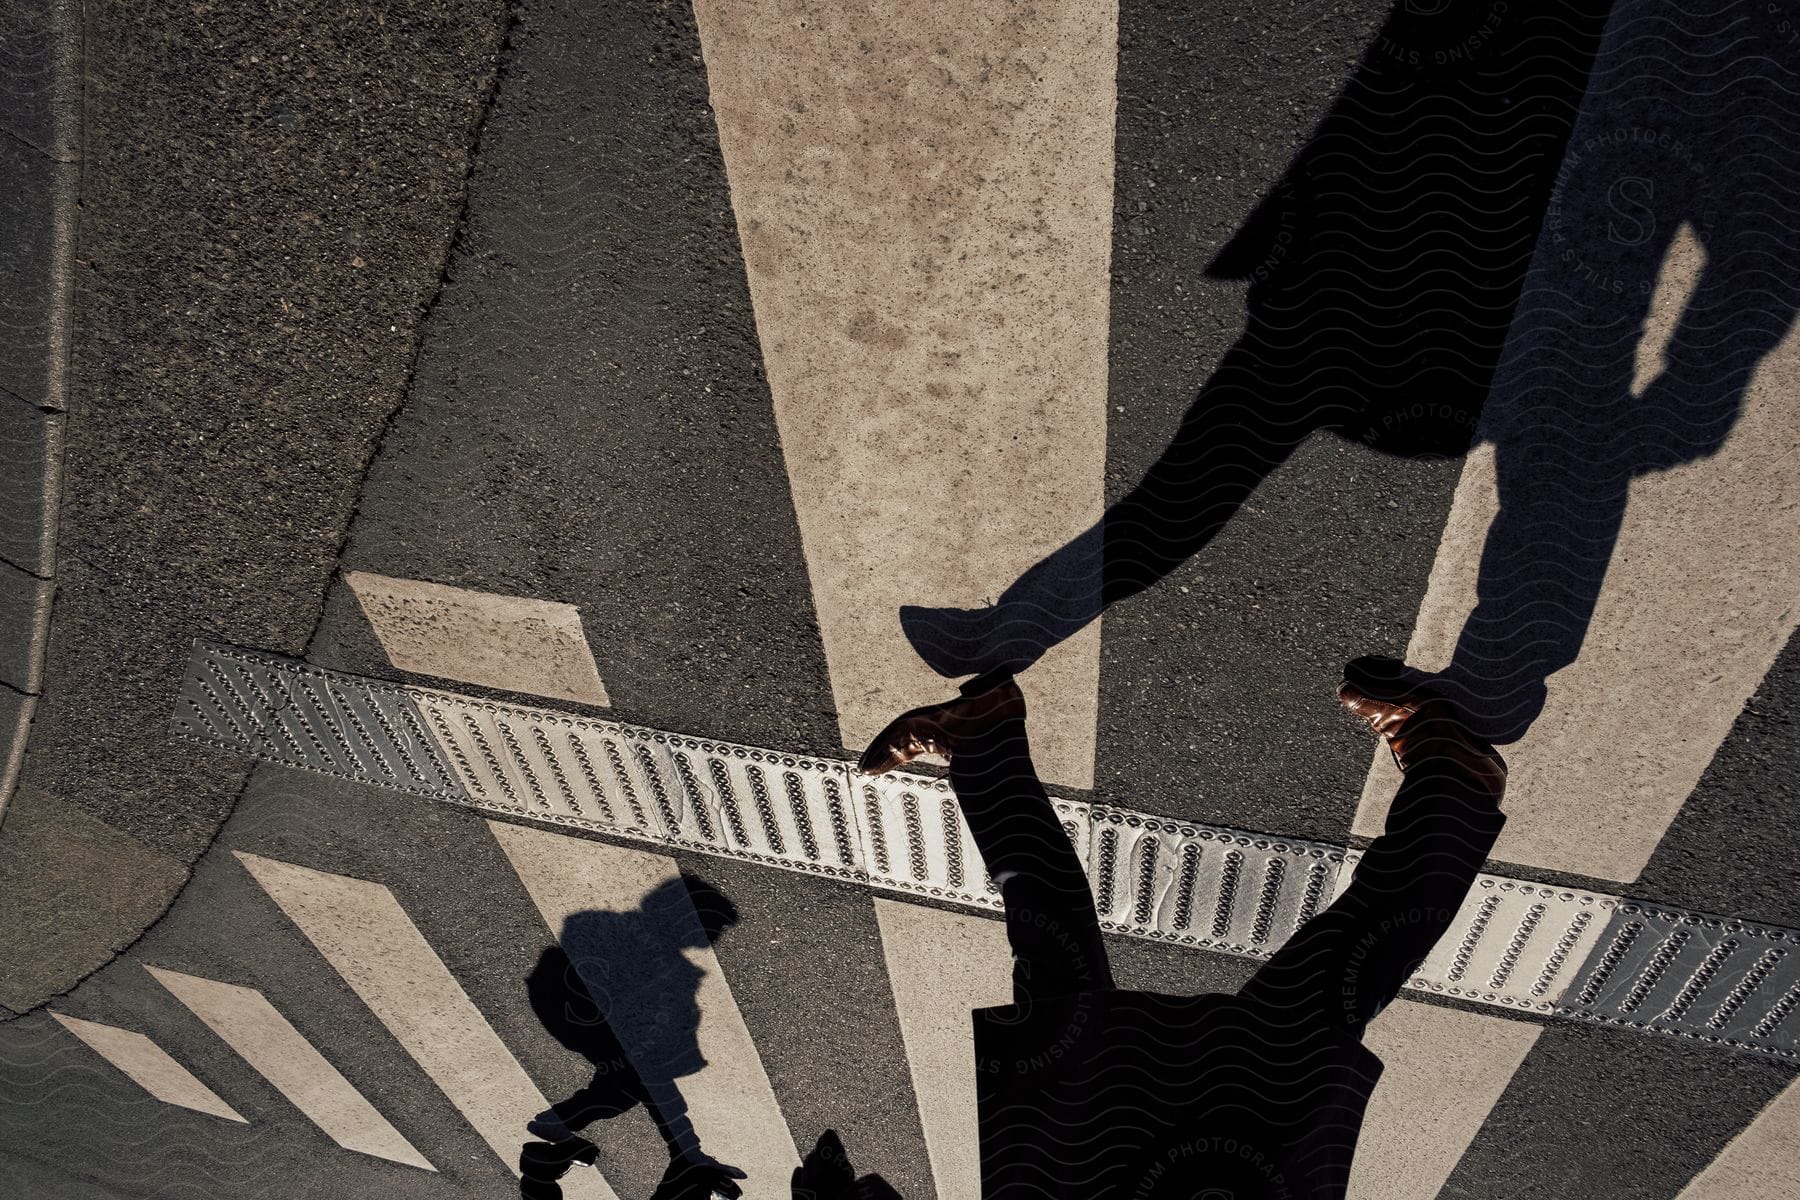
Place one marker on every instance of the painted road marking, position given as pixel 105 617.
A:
pixel 944 965
pixel 1443 1071
pixel 1762 1162
pixel 625 919
pixel 929 270
pixel 513 643
pixel 366 936
pixel 149 1066
pixel 265 1039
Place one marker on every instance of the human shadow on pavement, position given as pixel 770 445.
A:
pixel 616 990
pixel 1383 269
pixel 1673 216
pixel 1385 274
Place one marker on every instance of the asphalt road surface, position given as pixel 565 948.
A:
pixel 599 368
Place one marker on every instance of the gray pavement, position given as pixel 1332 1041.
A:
pixel 266 204
pixel 590 422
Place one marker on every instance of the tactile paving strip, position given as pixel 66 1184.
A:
pixel 1516 946
pixel 1197 885
pixel 1702 978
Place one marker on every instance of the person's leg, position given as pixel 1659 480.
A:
pixel 1051 924
pixel 542 1164
pixel 1350 961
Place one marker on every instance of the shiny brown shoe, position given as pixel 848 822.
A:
pixel 1417 722
pixel 938 729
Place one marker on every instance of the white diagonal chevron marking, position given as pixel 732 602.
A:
pixel 625 920
pixel 515 643
pixel 149 1066
pixel 265 1039
pixel 366 936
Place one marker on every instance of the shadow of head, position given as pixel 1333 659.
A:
pixel 713 908
pixel 605 960
pixel 826 1174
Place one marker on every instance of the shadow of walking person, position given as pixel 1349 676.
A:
pixel 617 990
pixel 1669 270
pixel 1384 269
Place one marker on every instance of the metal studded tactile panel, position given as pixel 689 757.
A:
pixel 283 711
pixel 1516 946
pixel 1196 885
pixel 1688 975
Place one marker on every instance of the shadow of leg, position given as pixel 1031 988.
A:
pixel 1236 432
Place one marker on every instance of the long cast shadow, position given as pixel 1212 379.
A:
pixel 1685 155
pixel 1385 269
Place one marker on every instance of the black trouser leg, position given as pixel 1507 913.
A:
pixel 1050 919
pixel 1348 962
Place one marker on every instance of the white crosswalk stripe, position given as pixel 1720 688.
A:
pixel 265 1039
pixel 366 936
pixel 149 1066
pixel 943 965
pixel 1442 1071
pixel 1762 1162
pixel 929 274
pixel 514 643
pixel 623 918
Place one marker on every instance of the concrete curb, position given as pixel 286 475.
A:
pixel 103 814
pixel 41 137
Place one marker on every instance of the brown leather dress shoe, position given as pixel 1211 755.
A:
pixel 938 729
pixel 1417 722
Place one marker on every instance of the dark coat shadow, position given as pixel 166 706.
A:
pixel 618 980
pixel 1386 270
pixel 1690 123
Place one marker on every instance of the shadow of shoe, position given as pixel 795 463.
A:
pixel 701 1178
pixel 1004 640
pixel 951 641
